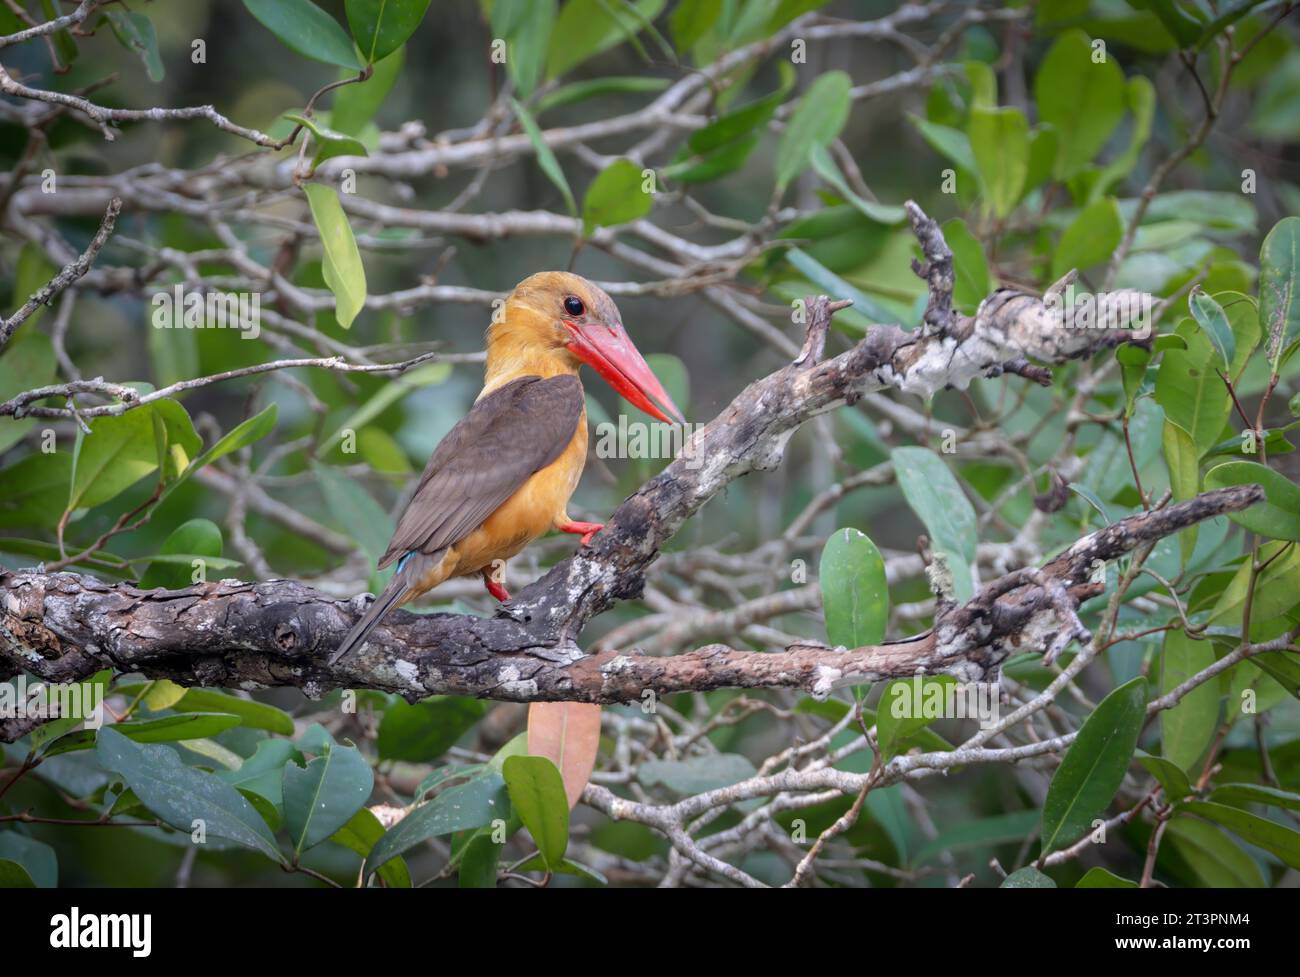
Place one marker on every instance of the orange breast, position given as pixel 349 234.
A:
pixel 530 512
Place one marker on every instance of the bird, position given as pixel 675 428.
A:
pixel 504 474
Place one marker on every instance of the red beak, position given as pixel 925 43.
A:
pixel 609 350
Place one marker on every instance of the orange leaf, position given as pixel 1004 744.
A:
pixel 568 733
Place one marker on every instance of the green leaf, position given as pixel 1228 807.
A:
pixel 231 760
pixel 525 26
pixel 329 142
pixel 1083 99
pixel 1133 362
pixel 199 537
pixel 1179 21
pixel 476 802
pixel 117 453
pixel 241 435
pixel 1222 210
pixel 537 796
pixel 691 20
pixel 1275 592
pixel 1229 13
pixel 742 121
pixel 263 773
pixel 1043 147
pixel 322 797
pixel 252 714
pixel 1094 765
pixel 545 158
pixel 617 195
pixel 865 311
pixel 1183 476
pixel 175 439
pixel 355 510
pixel 64 44
pixel 1279 288
pixel 14 876
pixel 1215 858
pixel 973 283
pixel 35 857
pixel 906 707
pixel 566 867
pixel 31 272
pixel 714 164
pixel 585 28
pixel 478 863
pixel 1187 728
pixel 1169 775
pixel 52 731
pixel 135 32
pixel 157 695
pixel 1142 103
pixel 1190 390
pixel 1027 878
pixel 1278 516
pixel 182 795
pixel 934 495
pixel 948 142
pixel 983 85
pixel 1100 878
pixel 725 144
pixel 344 273
pixel 360 835
pixel 168 729
pixel 1243 320
pixel 815 122
pixel 305 29
pixel 1209 315
pixel 855 594
pixel 1090 238
pixel 426 730
pixel 1238 795
pixel 1282 841
pixel 380 27
pixel 28 362
pixel 999 140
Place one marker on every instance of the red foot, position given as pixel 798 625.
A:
pixel 494 588
pixel 587 529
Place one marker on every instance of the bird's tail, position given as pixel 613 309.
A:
pixel 402 583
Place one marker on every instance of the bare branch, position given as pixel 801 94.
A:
pixel 74 270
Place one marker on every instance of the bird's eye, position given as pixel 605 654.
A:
pixel 573 305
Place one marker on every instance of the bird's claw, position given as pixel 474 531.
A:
pixel 586 529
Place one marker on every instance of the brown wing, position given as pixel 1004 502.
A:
pixel 506 438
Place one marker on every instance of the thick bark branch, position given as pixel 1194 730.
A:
pixel 65 626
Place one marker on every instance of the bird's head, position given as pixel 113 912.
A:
pixel 563 315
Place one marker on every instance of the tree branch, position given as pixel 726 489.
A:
pixel 71 272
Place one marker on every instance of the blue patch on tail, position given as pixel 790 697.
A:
pixel 405 556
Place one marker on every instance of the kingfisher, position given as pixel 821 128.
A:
pixel 503 475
